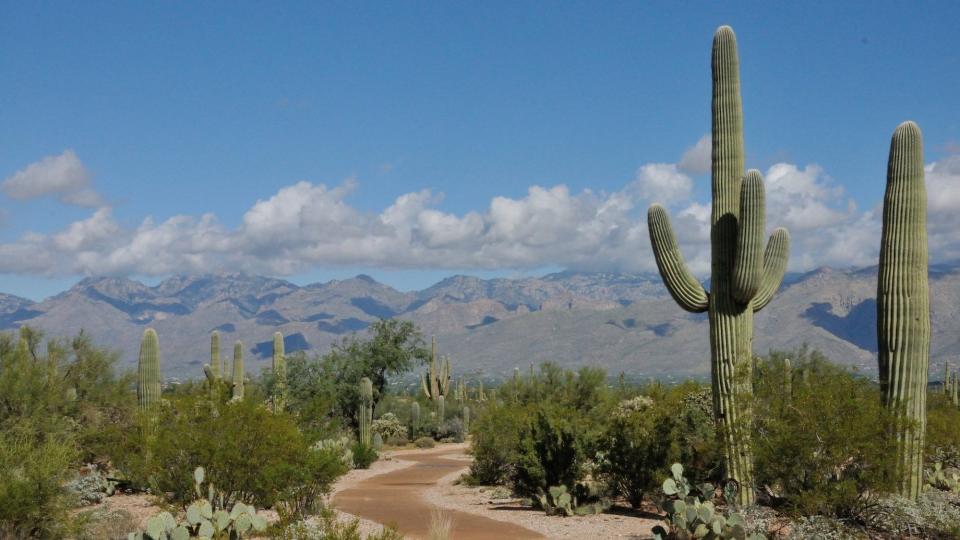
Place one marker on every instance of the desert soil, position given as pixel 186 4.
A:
pixel 406 488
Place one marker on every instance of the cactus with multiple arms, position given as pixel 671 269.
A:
pixel 744 275
pixel 366 410
pixel 436 382
pixel 279 397
pixel 237 370
pixel 903 304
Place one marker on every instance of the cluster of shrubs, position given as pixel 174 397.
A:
pixel 821 446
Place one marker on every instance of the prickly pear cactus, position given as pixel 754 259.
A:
pixel 205 518
pixel 744 276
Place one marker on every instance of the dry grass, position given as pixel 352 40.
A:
pixel 441 525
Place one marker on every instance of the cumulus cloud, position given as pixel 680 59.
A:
pixel 306 225
pixel 62 176
pixel 696 160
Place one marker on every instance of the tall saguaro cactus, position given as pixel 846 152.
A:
pixel 279 374
pixel 414 419
pixel 238 372
pixel 214 370
pixel 903 304
pixel 366 410
pixel 744 276
pixel 148 372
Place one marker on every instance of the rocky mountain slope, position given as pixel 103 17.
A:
pixel 622 322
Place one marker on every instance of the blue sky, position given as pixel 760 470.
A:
pixel 178 109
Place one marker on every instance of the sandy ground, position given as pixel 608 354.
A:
pixel 465 503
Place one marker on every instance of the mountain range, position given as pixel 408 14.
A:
pixel 623 322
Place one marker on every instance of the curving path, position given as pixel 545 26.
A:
pixel 396 498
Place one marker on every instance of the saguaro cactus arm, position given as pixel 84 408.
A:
pixel 774 267
pixel 683 287
pixel 748 262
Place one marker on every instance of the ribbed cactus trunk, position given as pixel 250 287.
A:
pixel 238 372
pixel 148 381
pixel 216 363
pixel 365 414
pixel 440 410
pixel 279 374
pixel 466 419
pixel 148 371
pixel 903 304
pixel 787 382
pixel 953 391
pixel 414 419
pixel 744 276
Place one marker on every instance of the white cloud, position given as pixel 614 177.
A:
pixel 663 183
pixel 63 176
pixel 697 159
pixel 307 225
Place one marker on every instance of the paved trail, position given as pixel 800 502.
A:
pixel 396 498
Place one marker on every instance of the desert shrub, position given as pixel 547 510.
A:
pixel 340 446
pixel 328 527
pixel 398 441
pixel 943 436
pixel 450 430
pixel 389 426
pixel 819 448
pixel 256 456
pixel 496 433
pixel 424 442
pixel 363 455
pixel 33 469
pixel 557 442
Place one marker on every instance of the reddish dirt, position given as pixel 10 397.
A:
pixel 396 499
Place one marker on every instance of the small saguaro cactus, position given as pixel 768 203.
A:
pixel 903 304
pixel 744 276
pixel 214 370
pixel 148 372
pixel 414 419
pixel 481 395
pixel 787 381
pixel 279 397
pixel 953 389
pixel 946 378
pixel 436 382
pixel 238 372
pixel 365 415
pixel 466 419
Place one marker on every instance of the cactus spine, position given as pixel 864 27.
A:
pixel 436 382
pixel 903 304
pixel 148 372
pixel 366 410
pixel 744 276
pixel 238 370
pixel 279 374
pixel 414 419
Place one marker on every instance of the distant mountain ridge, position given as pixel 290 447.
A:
pixel 624 322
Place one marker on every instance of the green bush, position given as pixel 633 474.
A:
pixel 33 469
pixel 943 433
pixel 256 456
pixel 363 455
pixel 424 442
pixel 495 437
pixel 821 449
